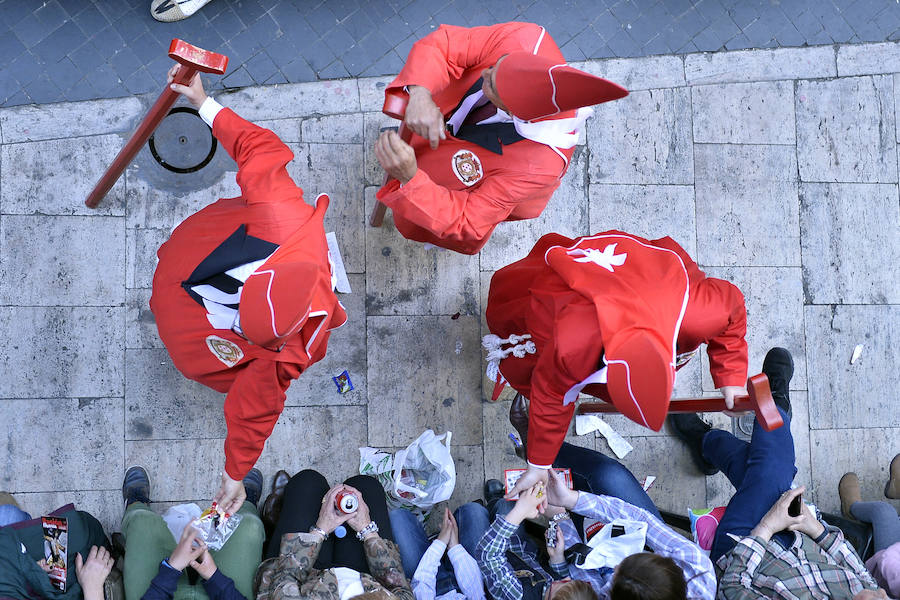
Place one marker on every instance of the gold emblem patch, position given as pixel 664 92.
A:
pixel 227 352
pixel 467 167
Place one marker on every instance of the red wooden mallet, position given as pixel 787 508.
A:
pixel 759 400
pixel 192 59
pixel 394 106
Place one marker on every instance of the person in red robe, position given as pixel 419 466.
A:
pixel 496 114
pixel 243 292
pixel 613 315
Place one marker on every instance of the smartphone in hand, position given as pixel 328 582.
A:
pixel 796 506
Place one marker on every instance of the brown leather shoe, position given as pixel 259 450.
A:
pixel 271 508
pixel 892 487
pixel 7 498
pixel 518 418
pixel 848 490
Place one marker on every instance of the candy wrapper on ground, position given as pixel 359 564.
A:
pixel 216 526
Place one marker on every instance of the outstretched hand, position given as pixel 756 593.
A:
pixel 194 91
pixel 528 479
pixel 231 494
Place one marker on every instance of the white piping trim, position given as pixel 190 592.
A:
pixel 565 160
pixel 317 313
pixel 553 83
pixel 630 393
pixel 272 308
pixel 687 284
pixel 540 39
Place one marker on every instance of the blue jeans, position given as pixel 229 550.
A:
pixel 596 473
pixel 10 514
pixel 760 472
pixel 409 534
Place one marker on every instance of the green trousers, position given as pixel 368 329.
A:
pixel 148 541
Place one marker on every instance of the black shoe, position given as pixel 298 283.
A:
pixel 778 366
pixel 136 486
pixel 518 418
pixel 493 491
pixel 253 482
pixel 690 429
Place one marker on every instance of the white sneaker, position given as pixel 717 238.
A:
pixel 175 10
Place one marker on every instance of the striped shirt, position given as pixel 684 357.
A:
pixel 829 568
pixel 468 578
pixel 697 568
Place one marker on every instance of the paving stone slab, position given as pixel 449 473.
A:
pixel 197 462
pixel 774 300
pixel 163 404
pixel 634 74
pixel 54 177
pixel 336 170
pixel 837 451
pixel 31 123
pixel 44 462
pixel 293 100
pixel 288 130
pixel 140 325
pixel 644 138
pixel 868 59
pixel 469 464
pixel 333 129
pixel 846 130
pixel 371 92
pixel 140 259
pixel 62 261
pixel 152 206
pixel 499 453
pixel 740 192
pixel 403 277
pixel 58 352
pixel 566 214
pixel 842 395
pixel 321 438
pixel 103 505
pixel 650 211
pixel 760 65
pixel 744 113
pixel 678 485
pixel 423 374
pixel 346 351
pixel 837 268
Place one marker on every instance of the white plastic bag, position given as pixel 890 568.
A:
pixel 423 473
pixel 609 551
pixel 176 517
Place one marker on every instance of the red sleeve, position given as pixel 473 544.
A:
pixel 548 418
pixel 261 158
pixel 727 349
pixel 444 55
pixel 464 215
pixel 252 407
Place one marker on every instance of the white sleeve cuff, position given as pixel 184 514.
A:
pixel 209 109
pixel 545 467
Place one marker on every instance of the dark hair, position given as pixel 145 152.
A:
pixel 648 576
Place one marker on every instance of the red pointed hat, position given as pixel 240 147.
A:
pixel 276 298
pixel 533 87
pixel 640 376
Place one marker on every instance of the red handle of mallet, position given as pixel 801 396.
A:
pixel 394 106
pixel 758 400
pixel 192 59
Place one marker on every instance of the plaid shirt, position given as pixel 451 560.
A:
pixel 829 568
pixel 698 569
pixel 498 573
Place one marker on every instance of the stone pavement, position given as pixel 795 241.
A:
pixel 776 169
pixel 70 50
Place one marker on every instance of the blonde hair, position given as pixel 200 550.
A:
pixel 575 590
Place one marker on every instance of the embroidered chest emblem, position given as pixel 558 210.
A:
pixel 606 259
pixel 467 167
pixel 227 352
